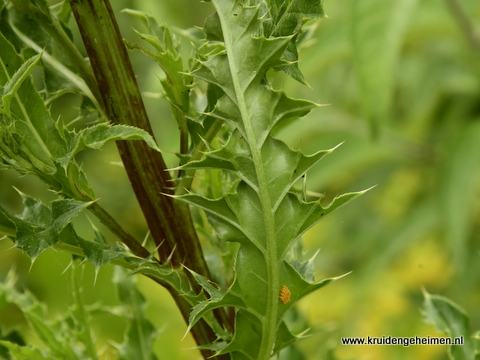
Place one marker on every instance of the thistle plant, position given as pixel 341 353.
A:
pixel 261 206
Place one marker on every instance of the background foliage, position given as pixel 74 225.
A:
pixel 402 83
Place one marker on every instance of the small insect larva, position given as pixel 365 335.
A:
pixel 284 294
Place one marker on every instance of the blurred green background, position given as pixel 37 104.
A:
pixel 402 84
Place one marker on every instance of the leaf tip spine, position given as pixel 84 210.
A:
pixel 335 147
pixel 364 191
pixel 173 196
pixel 342 276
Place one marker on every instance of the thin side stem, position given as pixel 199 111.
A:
pixel 107 220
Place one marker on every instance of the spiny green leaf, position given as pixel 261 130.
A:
pixel 39 139
pixel 64 211
pixel 178 280
pixel 247 327
pixel 247 292
pixel 177 82
pixel 287 17
pixel 450 319
pixel 165 273
pixel 218 298
pixel 238 216
pixel 35 25
pixel 261 213
pixel 296 259
pixel 98 237
pixel 284 338
pixel 212 289
pixel 100 254
pixel 286 165
pixel 39 228
pixel 32 143
pixel 14 83
pixel 159 36
pixel 95 137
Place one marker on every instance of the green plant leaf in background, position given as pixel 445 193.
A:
pixel 81 318
pixel 460 174
pixel 140 333
pixel 71 337
pixel 58 340
pixel 23 352
pixel 376 57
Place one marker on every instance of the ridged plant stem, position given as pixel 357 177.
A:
pixel 170 223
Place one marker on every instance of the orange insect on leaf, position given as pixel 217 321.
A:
pixel 284 294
